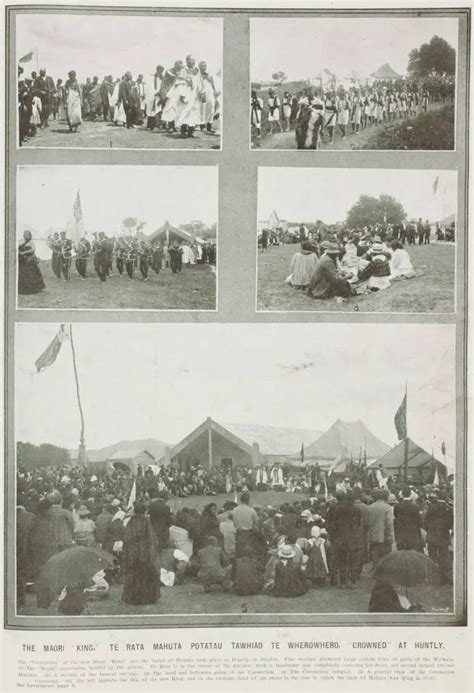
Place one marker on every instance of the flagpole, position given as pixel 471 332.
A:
pixel 82 443
pixel 405 466
pixel 37 61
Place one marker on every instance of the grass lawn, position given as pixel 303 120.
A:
pixel 431 293
pixel 110 136
pixel 432 130
pixel 193 289
pixel 190 598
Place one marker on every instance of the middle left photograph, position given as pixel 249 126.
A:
pixel 117 237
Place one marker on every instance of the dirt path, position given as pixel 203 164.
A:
pixel 286 140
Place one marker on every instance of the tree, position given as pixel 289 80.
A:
pixel 368 211
pixel 45 455
pixel 279 76
pixel 437 56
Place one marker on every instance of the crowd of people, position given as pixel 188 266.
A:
pixel 316 113
pixel 341 529
pixel 183 98
pixel 341 262
pixel 127 255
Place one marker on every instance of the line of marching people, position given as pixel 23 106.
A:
pixel 312 113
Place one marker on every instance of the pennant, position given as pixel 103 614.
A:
pixel 401 420
pixel 443 448
pixel 435 185
pixel 436 476
pixel 50 354
pixel 75 225
pixel 27 58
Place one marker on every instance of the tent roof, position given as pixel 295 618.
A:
pixel 353 436
pixel 385 71
pixel 274 440
pixel 210 424
pixel 395 458
pixel 448 220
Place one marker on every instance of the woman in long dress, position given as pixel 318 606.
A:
pixel 30 279
pixel 400 263
pixel 208 94
pixel 140 560
pixel 73 97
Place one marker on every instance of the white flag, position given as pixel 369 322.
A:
pixel 75 225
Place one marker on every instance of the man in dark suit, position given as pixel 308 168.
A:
pixel 160 517
pixel 24 522
pixel 407 523
pixel 44 85
pixel 126 97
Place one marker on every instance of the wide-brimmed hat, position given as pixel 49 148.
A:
pixel 333 249
pixel 307 514
pixel 83 511
pixel 377 248
pixel 285 551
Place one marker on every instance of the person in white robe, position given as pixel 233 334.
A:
pixel 400 264
pixel 208 97
pixel 276 477
pixel 173 91
pixel 188 255
pixel 189 117
pixel 119 116
pixel 153 103
pixel 73 95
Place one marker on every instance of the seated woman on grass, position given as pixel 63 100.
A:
pixel 376 275
pixel 302 265
pixel 400 264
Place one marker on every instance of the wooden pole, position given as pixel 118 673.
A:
pixel 209 446
pixel 82 442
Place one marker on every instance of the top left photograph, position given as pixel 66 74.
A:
pixel 89 81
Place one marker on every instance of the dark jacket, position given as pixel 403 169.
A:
pixel 325 281
pixel 161 520
pixel 376 268
pixel 438 523
pixel 407 524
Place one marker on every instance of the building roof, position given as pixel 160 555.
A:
pixel 129 454
pixel 394 459
pixel 210 424
pixel 353 436
pixel 182 233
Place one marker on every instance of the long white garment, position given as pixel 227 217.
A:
pixel 176 99
pixel 190 115
pixel 188 256
pixel 119 111
pixel 400 264
pixel 153 106
pixel 207 101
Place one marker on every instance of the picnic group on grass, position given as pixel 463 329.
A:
pixel 344 529
pixel 183 99
pixel 129 254
pixel 356 261
pixel 316 114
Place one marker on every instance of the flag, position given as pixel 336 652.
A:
pixel 236 498
pixel 443 448
pixel 133 495
pixel 75 225
pixel 302 453
pixel 401 419
pixel 436 476
pixel 435 185
pixel 49 355
pixel 26 58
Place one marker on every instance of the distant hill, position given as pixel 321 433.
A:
pixel 352 436
pixel 274 440
pixel 127 447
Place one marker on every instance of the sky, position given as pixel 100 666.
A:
pixel 179 194
pixel 104 44
pixel 303 47
pixel 162 380
pixel 307 194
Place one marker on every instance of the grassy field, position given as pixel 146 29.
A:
pixel 190 598
pixel 193 289
pixel 432 292
pixel 110 136
pixel 432 130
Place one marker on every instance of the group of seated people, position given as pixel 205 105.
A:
pixel 362 264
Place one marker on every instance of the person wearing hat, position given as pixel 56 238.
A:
pixel 377 273
pixel 302 266
pixel 140 560
pixel 256 109
pixel 84 529
pixel 289 578
pixel 273 103
pixel 326 281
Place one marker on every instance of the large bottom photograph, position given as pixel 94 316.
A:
pixel 233 469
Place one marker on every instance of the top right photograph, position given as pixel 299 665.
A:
pixel 378 83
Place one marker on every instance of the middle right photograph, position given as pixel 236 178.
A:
pixel 368 240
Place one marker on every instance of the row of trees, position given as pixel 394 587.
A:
pixel 46 455
pixel 369 211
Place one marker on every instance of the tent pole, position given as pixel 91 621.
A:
pixel 209 447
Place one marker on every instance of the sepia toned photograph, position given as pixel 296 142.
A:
pixel 199 503
pixel 353 83
pixel 370 240
pixel 117 237
pixel 107 81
